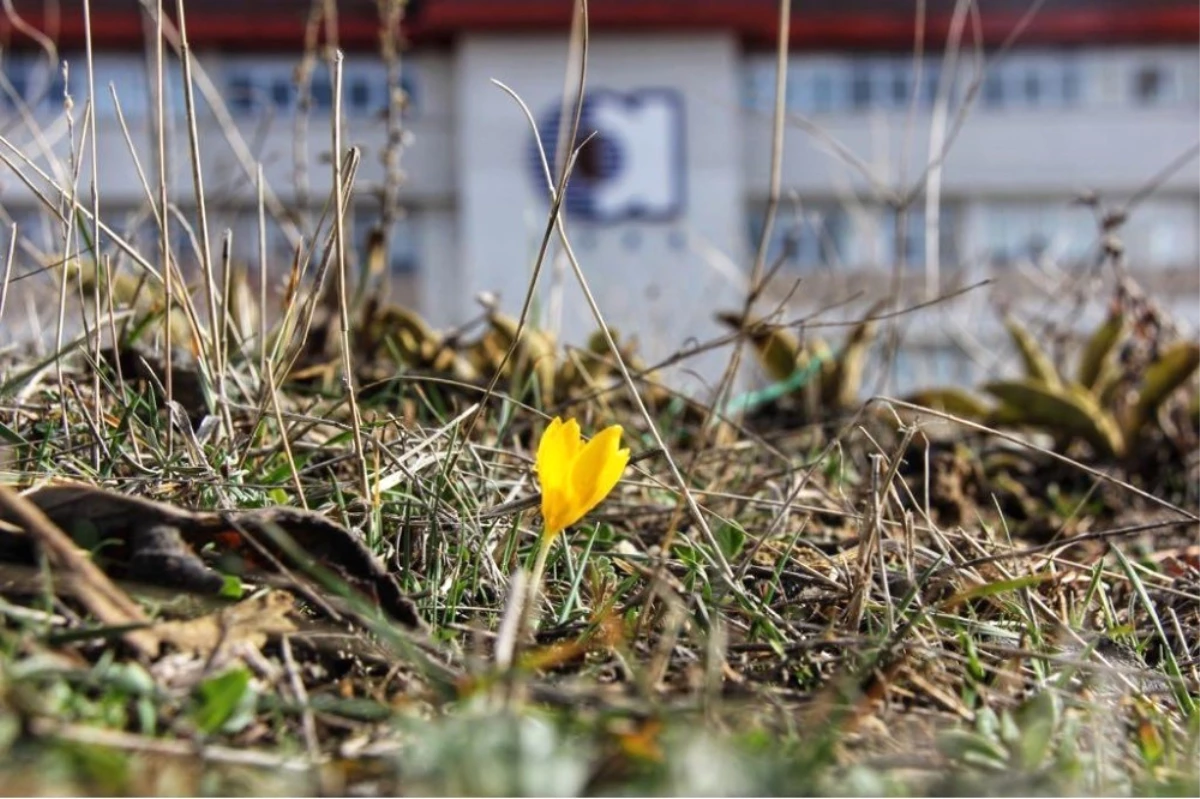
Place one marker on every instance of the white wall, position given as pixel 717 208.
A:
pixel 647 276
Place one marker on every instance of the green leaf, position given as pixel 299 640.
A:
pixel 731 538
pixel 1150 742
pixel 1098 352
pixel 971 747
pixel 231 587
pixel 842 387
pixel 998 587
pixel 777 348
pixel 223 702
pixel 360 709
pixel 987 723
pixel 1059 410
pixel 11 436
pixel 956 401
pixel 1172 369
pixel 1038 365
pixel 1037 720
pixel 18 380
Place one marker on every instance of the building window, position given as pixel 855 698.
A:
pixel 241 95
pixel 358 96
pixel 1016 232
pixel 1162 234
pixel 993 89
pixel 860 87
pixel 36 228
pixel 822 93
pixel 1032 87
pixel 900 80
pixel 1147 85
pixel 758 90
pixel 913 243
pixel 127 74
pixel 175 101
pixel 35 84
pixel 404 257
pixel 805 238
pixel 1152 85
pixel 931 73
pixel 258 86
pixel 1021 80
pixel 282 94
pixel 1033 81
pixel 1071 85
pixel 320 89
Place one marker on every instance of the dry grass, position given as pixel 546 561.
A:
pixel 880 601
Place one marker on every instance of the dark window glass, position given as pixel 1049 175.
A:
pixel 805 239
pixel 322 93
pixel 359 96
pixel 929 83
pixel 860 88
pixel 914 238
pixel 899 87
pixel 409 84
pixel 993 90
pixel 1071 86
pixel 822 94
pixel 1032 88
pixel 1148 85
pixel 19 86
pixel 281 93
pixel 404 252
pixel 241 94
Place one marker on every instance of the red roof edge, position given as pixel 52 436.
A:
pixel 754 23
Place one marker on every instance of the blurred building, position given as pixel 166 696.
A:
pixel 1044 101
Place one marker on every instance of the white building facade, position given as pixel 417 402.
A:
pixel 668 198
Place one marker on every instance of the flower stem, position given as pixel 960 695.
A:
pixel 535 584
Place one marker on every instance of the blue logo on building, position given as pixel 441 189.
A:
pixel 633 167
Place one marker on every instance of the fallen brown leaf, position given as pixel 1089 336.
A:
pixel 157 543
pixel 250 621
pixel 108 603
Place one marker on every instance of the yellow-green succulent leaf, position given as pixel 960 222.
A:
pixel 1070 411
pixel 1174 366
pixel 777 349
pixel 851 364
pixel 956 401
pixel 1037 363
pixel 1097 355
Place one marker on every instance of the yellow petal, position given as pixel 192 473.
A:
pixel 556 454
pixel 558 519
pixel 553 455
pixel 597 470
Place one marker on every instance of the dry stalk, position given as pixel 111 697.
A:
pixel 391 16
pixel 163 225
pixel 303 78
pixel 215 313
pixel 339 220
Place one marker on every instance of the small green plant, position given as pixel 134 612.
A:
pixel 822 382
pixel 1023 740
pixel 401 337
pixel 1109 407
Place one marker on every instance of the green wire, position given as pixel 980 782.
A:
pixel 753 400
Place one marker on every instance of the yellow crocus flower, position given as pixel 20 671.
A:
pixel 576 477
